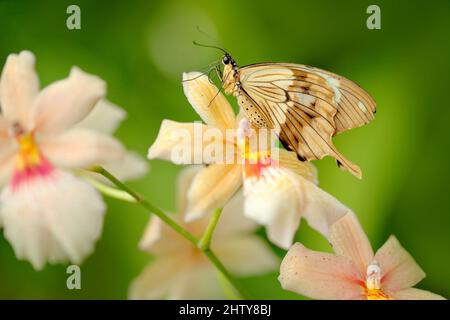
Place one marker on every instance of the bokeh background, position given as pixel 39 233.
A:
pixel 141 47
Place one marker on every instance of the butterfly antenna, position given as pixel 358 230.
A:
pixel 209 46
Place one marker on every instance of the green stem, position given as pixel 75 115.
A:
pixel 202 244
pixel 107 190
pixel 205 241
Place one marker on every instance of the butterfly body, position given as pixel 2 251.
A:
pixel 306 106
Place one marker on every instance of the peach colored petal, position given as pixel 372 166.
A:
pixel 19 85
pixel 416 294
pixel 245 254
pixel 399 270
pixel 320 275
pixel 188 143
pixel 56 219
pixel 211 188
pixel 105 117
pixel 210 104
pixel 81 148
pixel 348 239
pixel 66 102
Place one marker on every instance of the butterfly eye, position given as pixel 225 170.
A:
pixel 226 59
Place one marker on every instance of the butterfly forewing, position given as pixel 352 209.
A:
pixel 305 105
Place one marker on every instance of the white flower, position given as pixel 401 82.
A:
pixel 49 214
pixel 181 271
pixel 279 189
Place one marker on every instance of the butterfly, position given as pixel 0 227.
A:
pixel 306 106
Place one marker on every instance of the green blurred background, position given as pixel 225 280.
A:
pixel 141 47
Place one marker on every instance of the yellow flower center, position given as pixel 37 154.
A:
pixel 373 283
pixel 29 155
pixel 30 163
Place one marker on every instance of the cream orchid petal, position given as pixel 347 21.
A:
pixel 416 294
pixel 273 200
pixel 56 218
pixel 19 85
pixel 156 280
pixel 66 102
pixel 288 159
pixel 245 254
pixel 320 275
pixel 348 239
pixel 188 143
pixel 399 270
pixel 208 102
pixel 184 181
pixel 105 117
pixel 211 188
pixel 81 148
pixel 160 239
pixel 319 208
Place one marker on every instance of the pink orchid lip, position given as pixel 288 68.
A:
pixel 44 169
pixel 255 169
pixel 30 163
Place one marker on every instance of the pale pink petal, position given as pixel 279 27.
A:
pixel 198 281
pixel 210 104
pixel 81 148
pixel 416 294
pixel 273 200
pixel 56 218
pixel 157 279
pixel 130 166
pixel 211 188
pixel 66 102
pixel 5 130
pixel 320 275
pixel 232 221
pixel 160 239
pixel 190 143
pixel 7 162
pixel 399 270
pixel 349 240
pixel 19 85
pixel 245 254
pixel 105 117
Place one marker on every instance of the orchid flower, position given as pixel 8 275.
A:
pixel 354 272
pixel 278 189
pixel 181 271
pixel 47 212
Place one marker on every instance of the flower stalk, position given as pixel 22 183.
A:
pixel 203 244
pixel 205 240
